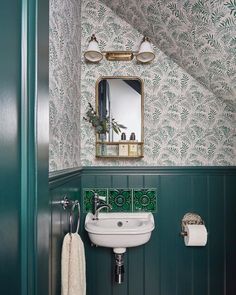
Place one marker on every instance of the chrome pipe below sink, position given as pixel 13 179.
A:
pixel 119 268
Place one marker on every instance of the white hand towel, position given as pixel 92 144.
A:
pixel 73 280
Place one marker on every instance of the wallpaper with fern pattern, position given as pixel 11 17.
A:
pixel 64 84
pixel 185 123
pixel 200 35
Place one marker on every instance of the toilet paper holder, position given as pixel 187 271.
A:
pixel 190 218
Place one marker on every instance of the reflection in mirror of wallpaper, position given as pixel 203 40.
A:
pixel 64 84
pixel 184 123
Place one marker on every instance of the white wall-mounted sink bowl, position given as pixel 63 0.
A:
pixel 120 230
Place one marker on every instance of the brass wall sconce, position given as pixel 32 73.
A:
pixel 144 55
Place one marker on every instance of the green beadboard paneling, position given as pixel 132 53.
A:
pixel 62 184
pixel 164 265
pixel 216 242
pixel 230 230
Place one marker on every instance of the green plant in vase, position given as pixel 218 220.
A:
pixel 102 125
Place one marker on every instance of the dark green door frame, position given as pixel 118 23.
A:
pixel 24 201
pixel 34 147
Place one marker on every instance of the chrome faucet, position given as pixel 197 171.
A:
pixel 99 204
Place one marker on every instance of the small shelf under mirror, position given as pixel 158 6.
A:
pixel 119 149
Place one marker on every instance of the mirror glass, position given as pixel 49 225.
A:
pixel 121 99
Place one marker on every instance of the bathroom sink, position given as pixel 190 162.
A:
pixel 120 230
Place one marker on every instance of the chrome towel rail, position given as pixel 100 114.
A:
pixel 69 204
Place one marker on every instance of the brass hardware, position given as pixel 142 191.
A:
pixel 119 55
pixel 117 156
pixel 92 54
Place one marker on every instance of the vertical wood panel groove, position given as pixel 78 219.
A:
pixel 165 265
pixel 144 270
pixel 224 234
pixel 209 229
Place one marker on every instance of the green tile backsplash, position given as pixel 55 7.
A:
pixel 120 200
pixel 123 200
pixel 144 200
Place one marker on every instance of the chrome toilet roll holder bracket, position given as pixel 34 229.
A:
pixel 190 218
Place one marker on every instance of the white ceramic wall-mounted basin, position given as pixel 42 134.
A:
pixel 120 230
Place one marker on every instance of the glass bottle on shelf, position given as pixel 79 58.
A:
pixel 103 147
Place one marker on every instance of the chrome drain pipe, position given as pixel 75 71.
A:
pixel 119 268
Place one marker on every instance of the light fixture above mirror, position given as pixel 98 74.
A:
pixel 93 53
pixel 144 55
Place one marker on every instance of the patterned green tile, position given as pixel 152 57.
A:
pixel 88 198
pixel 120 200
pixel 123 200
pixel 144 200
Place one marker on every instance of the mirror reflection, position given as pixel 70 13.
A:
pixel 121 99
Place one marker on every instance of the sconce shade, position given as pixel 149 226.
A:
pixel 93 53
pixel 145 53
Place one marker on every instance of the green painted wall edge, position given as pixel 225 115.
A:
pixel 24 148
pixel 28 147
pixel 62 176
pixel 216 170
pixel 183 170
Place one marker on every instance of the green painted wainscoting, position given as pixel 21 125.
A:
pixel 66 183
pixel 164 266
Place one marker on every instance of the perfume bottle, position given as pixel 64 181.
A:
pixel 123 147
pixel 133 150
pixel 132 136
pixel 123 136
pixel 133 147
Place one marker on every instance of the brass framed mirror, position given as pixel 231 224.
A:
pixel 120 100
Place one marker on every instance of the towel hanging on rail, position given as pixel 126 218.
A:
pixel 73 277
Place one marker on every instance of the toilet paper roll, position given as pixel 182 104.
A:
pixel 196 235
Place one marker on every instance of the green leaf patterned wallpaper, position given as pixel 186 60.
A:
pixel 189 89
pixel 199 35
pixel 64 84
pixel 185 123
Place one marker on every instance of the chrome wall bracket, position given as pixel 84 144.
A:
pixel 66 203
pixel 69 204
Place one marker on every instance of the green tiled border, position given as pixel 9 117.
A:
pixel 123 199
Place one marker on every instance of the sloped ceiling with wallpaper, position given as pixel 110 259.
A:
pixel 185 124
pixel 200 36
